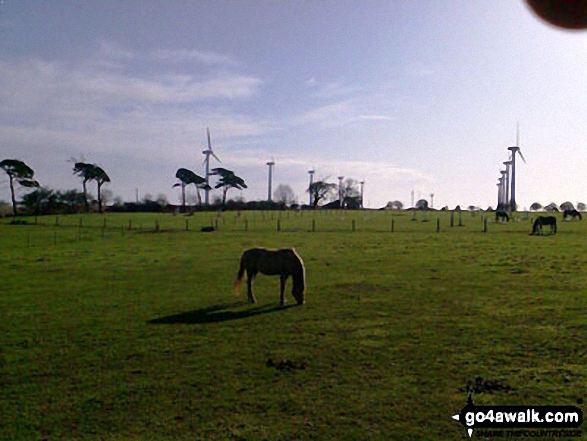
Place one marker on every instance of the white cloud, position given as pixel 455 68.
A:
pixel 183 55
pixel 328 115
pixel 376 117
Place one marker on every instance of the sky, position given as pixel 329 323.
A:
pixel 414 96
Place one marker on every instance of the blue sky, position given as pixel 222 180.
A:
pixel 406 95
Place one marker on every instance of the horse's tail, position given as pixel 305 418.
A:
pixel 239 277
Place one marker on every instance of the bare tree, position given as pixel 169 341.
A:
pixel 320 190
pixel 284 194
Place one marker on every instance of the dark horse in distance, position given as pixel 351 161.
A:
pixel 572 213
pixel 283 263
pixel 544 220
pixel 501 214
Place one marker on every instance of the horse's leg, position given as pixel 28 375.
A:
pixel 250 277
pixel 282 280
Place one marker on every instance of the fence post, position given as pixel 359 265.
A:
pixel 392 224
pixel 187 225
pixel 438 225
pixel 485 225
pixel 353 227
pixel 460 223
pixel 278 225
pixel 313 225
pixel 452 218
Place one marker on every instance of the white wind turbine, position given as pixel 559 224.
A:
pixel 270 164
pixel 515 149
pixel 208 153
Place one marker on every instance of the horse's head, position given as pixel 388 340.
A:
pixel 299 291
pixel 299 280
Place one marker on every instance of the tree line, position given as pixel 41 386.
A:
pixel 44 200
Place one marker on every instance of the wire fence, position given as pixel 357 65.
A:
pixel 62 229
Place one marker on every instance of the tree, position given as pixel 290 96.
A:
pixel 551 207
pixel 91 172
pixel 187 177
pixel 284 194
pixel 535 206
pixel 73 199
pixel 100 176
pixel 227 181
pixel 84 171
pixel 422 204
pixel 21 173
pixel 41 201
pixel 567 206
pixel 394 205
pixel 320 190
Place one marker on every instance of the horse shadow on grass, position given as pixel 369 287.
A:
pixel 218 314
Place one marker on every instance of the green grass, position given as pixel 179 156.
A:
pixel 132 334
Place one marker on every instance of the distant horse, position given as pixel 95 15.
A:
pixel 501 214
pixel 544 220
pixel 283 263
pixel 573 213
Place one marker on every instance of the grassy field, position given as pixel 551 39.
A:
pixel 126 327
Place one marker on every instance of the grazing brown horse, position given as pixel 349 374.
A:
pixel 544 220
pixel 283 263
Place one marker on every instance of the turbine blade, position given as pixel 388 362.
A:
pixel 522 156
pixel 217 158
pixel 209 141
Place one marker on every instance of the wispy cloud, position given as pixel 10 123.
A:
pixel 330 114
pixel 330 89
pixel 376 118
pixel 183 55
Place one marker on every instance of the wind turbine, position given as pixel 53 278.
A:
pixel 208 153
pixel 270 164
pixel 507 183
pixel 515 149
pixel 499 193
pixel 504 190
pixel 362 187
pixel 340 193
pixel 311 173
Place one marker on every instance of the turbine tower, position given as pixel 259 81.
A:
pixel 362 187
pixel 340 178
pixel 208 153
pixel 499 193
pixel 311 173
pixel 507 184
pixel 431 200
pixel 270 164
pixel 504 189
pixel 514 149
